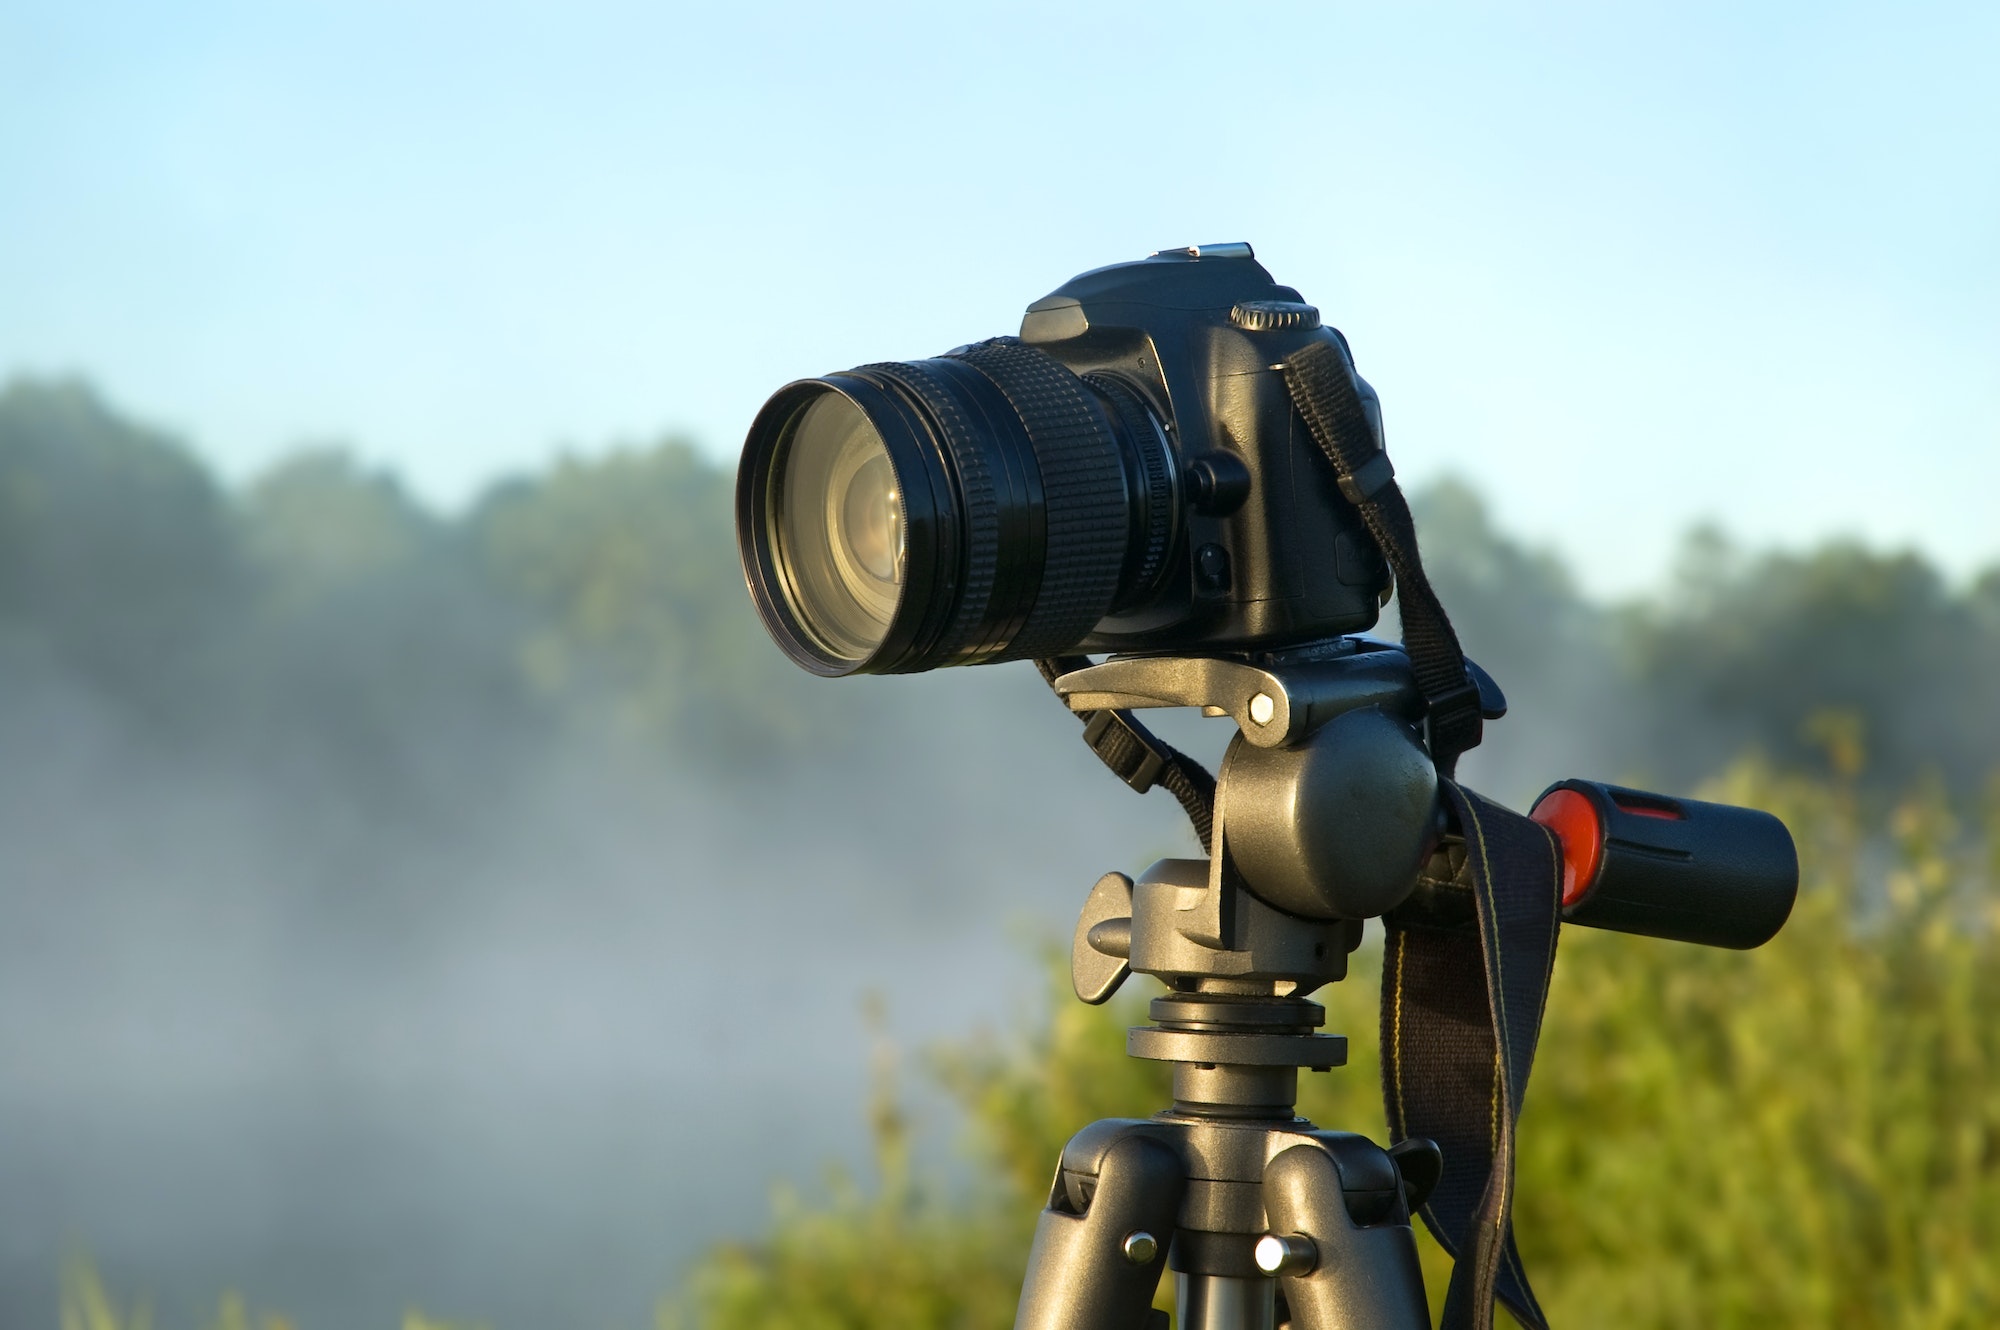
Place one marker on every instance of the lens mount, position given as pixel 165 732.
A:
pixel 985 505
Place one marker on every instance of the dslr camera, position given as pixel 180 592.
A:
pixel 1128 475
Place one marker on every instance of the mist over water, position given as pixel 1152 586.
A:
pixel 476 914
pixel 521 1067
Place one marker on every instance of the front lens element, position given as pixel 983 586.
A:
pixel 836 519
pixel 871 520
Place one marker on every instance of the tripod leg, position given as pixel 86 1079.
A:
pixel 1095 1267
pixel 1338 1274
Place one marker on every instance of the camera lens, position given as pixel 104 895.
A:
pixel 985 505
pixel 838 526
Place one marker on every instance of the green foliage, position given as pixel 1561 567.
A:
pixel 1740 651
pixel 1749 648
pixel 86 1304
pixel 1027 1091
pixel 1808 1134
pixel 628 564
pixel 118 566
pixel 909 1254
pixel 610 586
pixel 318 522
pixel 324 614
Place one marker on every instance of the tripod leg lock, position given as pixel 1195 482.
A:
pixel 1339 1268
pixel 1097 1258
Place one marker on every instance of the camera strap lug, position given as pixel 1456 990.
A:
pixel 1120 745
pixel 1139 757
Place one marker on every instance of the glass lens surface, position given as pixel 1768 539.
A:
pixel 837 522
pixel 871 520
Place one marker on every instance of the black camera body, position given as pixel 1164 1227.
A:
pixel 1129 475
pixel 1269 553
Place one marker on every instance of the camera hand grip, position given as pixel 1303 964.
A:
pixel 1673 868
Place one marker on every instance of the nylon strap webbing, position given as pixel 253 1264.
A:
pixel 1322 385
pixel 1141 758
pixel 1465 977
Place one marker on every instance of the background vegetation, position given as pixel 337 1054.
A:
pixel 1806 1135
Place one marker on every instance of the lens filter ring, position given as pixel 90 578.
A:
pixel 843 521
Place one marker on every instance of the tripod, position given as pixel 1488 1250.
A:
pixel 1327 803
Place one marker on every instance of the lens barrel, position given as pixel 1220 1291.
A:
pixel 981 506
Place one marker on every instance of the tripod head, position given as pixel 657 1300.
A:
pixel 1327 801
pixel 1327 806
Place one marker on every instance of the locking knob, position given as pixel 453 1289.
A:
pixel 1286 1254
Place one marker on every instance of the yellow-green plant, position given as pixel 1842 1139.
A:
pixel 907 1254
pixel 86 1304
pixel 1808 1134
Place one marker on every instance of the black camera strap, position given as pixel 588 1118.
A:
pixel 1141 758
pixel 1466 963
pixel 1465 978
pixel 1321 380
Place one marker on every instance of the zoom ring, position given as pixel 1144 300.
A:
pixel 1083 491
pixel 978 500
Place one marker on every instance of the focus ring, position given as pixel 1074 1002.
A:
pixel 1083 490
pixel 978 500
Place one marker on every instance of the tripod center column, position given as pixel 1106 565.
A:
pixel 1218 1302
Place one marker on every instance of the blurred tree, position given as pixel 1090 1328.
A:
pixel 120 573
pixel 628 563
pixel 1746 651
pixel 1572 708
pixel 384 660
pixel 318 521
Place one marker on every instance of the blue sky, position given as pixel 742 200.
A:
pixel 1627 267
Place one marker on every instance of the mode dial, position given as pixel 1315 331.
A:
pixel 1270 315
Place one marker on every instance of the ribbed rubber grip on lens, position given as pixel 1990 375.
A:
pixel 979 505
pixel 1083 493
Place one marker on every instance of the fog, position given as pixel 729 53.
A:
pixel 566 1040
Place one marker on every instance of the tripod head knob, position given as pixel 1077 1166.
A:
pixel 1171 924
